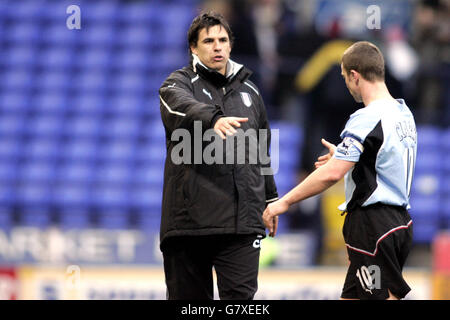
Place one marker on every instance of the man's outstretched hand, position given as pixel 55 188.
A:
pixel 225 126
pixel 324 159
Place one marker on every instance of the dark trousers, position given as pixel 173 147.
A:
pixel 189 260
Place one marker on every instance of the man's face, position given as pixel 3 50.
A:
pixel 351 81
pixel 213 48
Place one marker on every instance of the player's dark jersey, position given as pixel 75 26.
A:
pixel 382 139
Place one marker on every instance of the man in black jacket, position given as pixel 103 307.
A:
pixel 212 211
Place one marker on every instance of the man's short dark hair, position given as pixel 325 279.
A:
pixel 207 20
pixel 365 58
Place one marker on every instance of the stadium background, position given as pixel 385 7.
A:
pixel 82 144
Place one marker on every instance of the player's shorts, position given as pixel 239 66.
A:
pixel 378 239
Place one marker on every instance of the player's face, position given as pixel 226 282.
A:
pixel 352 85
pixel 213 48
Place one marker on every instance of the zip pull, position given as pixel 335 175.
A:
pixel 224 91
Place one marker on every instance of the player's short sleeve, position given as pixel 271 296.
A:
pixel 360 124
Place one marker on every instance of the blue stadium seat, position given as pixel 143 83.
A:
pixel 287 157
pixel 50 103
pixel 37 171
pixel 93 58
pixel 445 214
pixel 425 206
pixel 146 199
pixel 91 103
pixel 8 172
pixel 100 12
pixel 24 11
pixel 76 173
pixel 426 183
pixel 285 178
pixel 289 134
pixel 45 149
pixel 150 175
pixel 149 221
pixel 121 128
pixel 428 160
pixel 125 105
pixel 17 79
pixel 6 220
pixel 106 196
pixel 91 81
pixel 154 82
pixel 23 32
pixel 113 174
pixel 16 102
pixel 425 229
pixel 283 226
pixel 428 138
pixel 8 193
pixel 35 217
pixel 137 12
pixel 33 193
pixel 54 80
pixel 135 36
pixel 446 138
pixel 83 126
pixel 56 58
pixel 101 35
pixel 446 163
pixel 10 149
pixel 151 106
pixel 113 220
pixel 166 61
pixel 44 126
pixel 75 218
pixel 11 125
pixel 445 189
pixel 68 195
pixel 136 59
pixel 130 82
pixel 151 154
pixel 179 17
pixel 117 151
pixel 20 55
pixel 80 150
pixel 154 131
pixel 57 36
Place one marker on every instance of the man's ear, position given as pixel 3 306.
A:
pixel 194 50
pixel 354 75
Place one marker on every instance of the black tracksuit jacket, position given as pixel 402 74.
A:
pixel 208 199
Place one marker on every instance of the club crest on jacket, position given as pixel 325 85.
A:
pixel 246 99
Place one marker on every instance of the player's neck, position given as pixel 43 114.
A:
pixel 375 91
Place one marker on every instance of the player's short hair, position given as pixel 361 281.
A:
pixel 365 58
pixel 207 20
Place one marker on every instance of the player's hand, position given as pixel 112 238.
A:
pixel 324 159
pixel 270 215
pixel 225 126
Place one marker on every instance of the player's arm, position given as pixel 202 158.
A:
pixel 318 181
